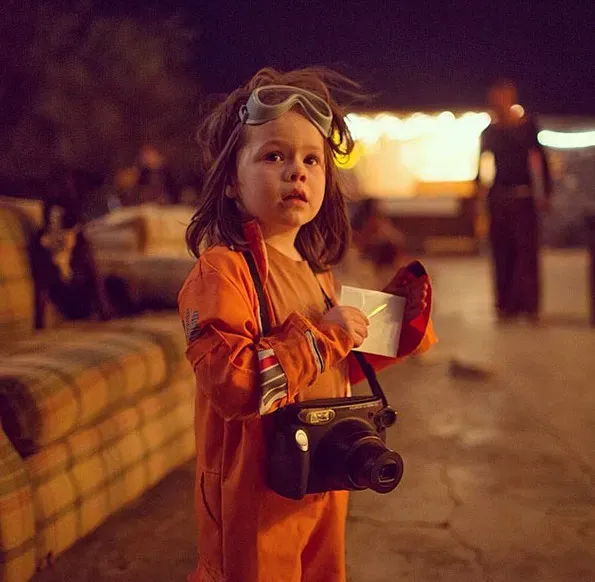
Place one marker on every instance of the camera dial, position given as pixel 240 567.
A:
pixel 385 418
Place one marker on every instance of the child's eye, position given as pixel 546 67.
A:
pixel 312 160
pixel 273 157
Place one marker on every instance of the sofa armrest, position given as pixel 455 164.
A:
pixel 17 520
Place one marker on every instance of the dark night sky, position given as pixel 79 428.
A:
pixel 416 54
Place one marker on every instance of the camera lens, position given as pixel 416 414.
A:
pixel 371 465
pixel 353 456
pixel 388 473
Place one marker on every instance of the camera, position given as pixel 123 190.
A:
pixel 330 444
pixel 334 444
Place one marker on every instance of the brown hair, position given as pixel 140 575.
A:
pixel 323 241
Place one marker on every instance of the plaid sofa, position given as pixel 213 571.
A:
pixel 92 413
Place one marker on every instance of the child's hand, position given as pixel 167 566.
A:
pixel 351 319
pixel 414 289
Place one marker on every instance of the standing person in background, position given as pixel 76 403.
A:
pixel 512 206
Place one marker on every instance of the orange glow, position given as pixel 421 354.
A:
pixel 398 155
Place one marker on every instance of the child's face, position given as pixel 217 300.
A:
pixel 281 174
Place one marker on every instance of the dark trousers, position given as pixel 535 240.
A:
pixel 514 237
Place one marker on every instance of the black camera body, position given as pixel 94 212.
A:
pixel 333 444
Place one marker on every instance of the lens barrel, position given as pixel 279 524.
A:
pixel 371 465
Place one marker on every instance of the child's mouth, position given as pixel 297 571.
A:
pixel 296 196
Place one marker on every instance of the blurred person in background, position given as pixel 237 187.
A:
pixel 63 262
pixel 149 180
pixel 376 237
pixel 511 203
pixel 155 182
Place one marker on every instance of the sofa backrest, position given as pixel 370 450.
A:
pixel 17 293
pixel 147 229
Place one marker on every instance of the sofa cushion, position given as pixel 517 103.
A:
pixel 65 379
pixel 81 480
pixel 17 522
pixel 17 299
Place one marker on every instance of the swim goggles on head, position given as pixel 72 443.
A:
pixel 271 101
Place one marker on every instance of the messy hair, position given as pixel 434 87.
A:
pixel 323 241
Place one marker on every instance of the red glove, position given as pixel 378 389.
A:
pixel 413 284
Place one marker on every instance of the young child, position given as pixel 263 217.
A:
pixel 272 188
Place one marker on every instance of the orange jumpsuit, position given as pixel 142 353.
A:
pixel 247 532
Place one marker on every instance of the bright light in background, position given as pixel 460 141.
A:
pixel 396 156
pixel 371 129
pixel 364 129
pixel 566 141
pixel 399 153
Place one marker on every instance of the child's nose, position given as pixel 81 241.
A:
pixel 296 172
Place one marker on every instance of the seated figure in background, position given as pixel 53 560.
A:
pixel 376 237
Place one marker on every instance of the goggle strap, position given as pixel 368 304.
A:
pixel 243 114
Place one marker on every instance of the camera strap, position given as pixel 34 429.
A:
pixel 265 320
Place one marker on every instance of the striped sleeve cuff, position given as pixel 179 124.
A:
pixel 273 381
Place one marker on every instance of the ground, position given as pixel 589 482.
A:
pixel 498 448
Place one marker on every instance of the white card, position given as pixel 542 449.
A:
pixel 385 312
